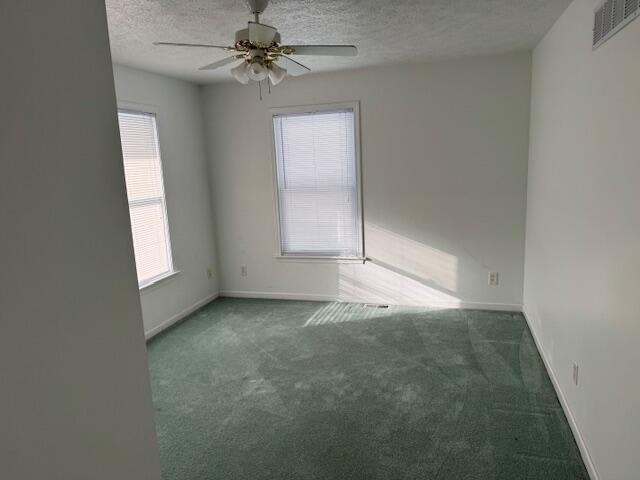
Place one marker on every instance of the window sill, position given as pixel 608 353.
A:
pixel 311 259
pixel 156 282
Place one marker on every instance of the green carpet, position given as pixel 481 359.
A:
pixel 262 389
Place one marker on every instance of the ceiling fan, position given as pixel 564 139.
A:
pixel 260 53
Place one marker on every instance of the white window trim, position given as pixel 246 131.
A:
pixel 136 107
pixel 154 282
pixel 325 107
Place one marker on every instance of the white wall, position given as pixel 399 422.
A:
pixel 583 230
pixel 444 153
pixel 75 400
pixel 184 163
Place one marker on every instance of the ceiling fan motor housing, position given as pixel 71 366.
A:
pixel 256 56
pixel 243 36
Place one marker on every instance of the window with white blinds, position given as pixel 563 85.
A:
pixel 317 176
pixel 145 190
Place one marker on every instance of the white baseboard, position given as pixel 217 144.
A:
pixel 584 451
pixel 331 298
pixel 277 295
pixel 167 323
pixel 502 307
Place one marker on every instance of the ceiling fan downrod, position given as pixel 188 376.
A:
pixel 257 7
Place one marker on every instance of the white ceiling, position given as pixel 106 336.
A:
pixel 384 31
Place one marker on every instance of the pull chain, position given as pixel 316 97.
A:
pixel 260 87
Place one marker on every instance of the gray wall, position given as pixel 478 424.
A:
pixel 75 401
pixel 184 164
pixel 583 231
pixel 444 153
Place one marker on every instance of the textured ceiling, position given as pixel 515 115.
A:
pixel 384 31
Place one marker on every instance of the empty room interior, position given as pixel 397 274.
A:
pixel 319 240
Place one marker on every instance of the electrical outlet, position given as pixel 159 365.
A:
pixel 209 272
pixel 493 279
pixel 576 370
pixel 243 270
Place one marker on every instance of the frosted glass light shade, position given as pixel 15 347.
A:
pixel 276 73
pixel 257 72
pixel 240 73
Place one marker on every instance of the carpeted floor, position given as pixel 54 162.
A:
pixel 261 389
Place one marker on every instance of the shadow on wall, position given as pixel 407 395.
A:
pixel 400 271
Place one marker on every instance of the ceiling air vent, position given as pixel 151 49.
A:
pixel 611 16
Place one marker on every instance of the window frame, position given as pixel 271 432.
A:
pixel 310 109
pixel 145 109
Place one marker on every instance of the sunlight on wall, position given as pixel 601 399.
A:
pixel 401 272
pixel 372 283
pixel 411 258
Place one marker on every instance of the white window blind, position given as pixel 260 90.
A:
pixel 317 184
pixel 145 190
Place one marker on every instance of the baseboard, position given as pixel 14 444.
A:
pixel 584 451
pixel 179 316
pixel 331 298
pixel 278 295
pixel 501 307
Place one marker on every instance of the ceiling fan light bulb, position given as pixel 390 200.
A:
pixel 276 73
pixel 257 72
pixel 240 73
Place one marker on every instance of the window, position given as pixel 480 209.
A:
pixel 317 177
pixel 145 190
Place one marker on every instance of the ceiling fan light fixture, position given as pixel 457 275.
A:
pixel 257 71
pixel 258 46
pixel 240 73
pixel 276 73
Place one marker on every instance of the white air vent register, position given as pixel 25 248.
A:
pixel 611 16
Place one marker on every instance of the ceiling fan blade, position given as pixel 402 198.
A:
pixel 333 50
pixel 219 63
pixel 172 44
pixel 291 66
pixel 261 34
